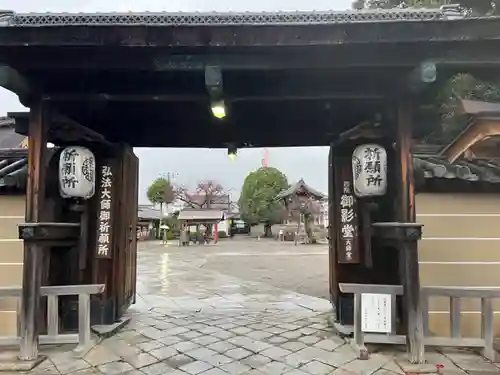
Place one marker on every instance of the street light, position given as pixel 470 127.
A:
pixel 219 109
pixel 232 151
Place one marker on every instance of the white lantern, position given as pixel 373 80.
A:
pixel 369 169
pixel 77 173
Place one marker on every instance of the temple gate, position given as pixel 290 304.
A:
pixel 344 79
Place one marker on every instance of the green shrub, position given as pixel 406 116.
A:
pixel 170 236
pixel 222 234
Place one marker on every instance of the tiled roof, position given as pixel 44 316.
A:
pixel 8 137
pixel 10 18
pixel 478 108
pixel 298 186
pixel 148 212
pixel 201 214
pixel 478 170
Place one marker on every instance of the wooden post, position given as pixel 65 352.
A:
pixel 332 248
pixel 35 196
pixel 409 249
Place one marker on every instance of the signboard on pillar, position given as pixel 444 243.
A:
pixel 104 213
pixel 376 313
pixel 348 249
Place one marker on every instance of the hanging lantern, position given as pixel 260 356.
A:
pixel 369 169
pixel 77 173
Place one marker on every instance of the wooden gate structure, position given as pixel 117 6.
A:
pixel 287 79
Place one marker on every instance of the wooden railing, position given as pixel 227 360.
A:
pixel 360 338
pixel 454 293
pixel 83 338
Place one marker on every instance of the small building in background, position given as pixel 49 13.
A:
pixel 148 223
pixel 220 203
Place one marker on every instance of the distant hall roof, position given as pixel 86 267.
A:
pixel 297 187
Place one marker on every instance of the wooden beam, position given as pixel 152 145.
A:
pixel 366 129
pixel 69 97
pixel 251 35
pixel 11 80
pixel 473 134
pixel 33 252
pixel 461 55
pixel 484 151
pixel 63 129
pixel 409 249
pixel 64 125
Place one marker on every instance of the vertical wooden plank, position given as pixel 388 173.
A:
pixel 102 271
pixel 409 249
pixel 83 241
pixel 32 264
pixel 105 217
pixel 358 331
pixel 120 274
pixel 347 212
pixel 393 314
pixel 84 335
pixel 52 316
pixel 332 248
pixel 455 317
pixel 424 303
pixel 359 339
pixel 134 218
pixel 487 332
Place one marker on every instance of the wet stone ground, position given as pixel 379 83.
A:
pixel 194 317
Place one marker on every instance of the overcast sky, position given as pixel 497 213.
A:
pixel 191 165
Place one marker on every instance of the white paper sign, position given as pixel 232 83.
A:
pixel 369 169
pixel 77 173
pixel 376 313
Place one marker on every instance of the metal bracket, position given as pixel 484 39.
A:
pixel 36 232
pixel 398 231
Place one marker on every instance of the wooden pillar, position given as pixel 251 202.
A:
pixel 409 268
pixel 33 252
pixel 334 287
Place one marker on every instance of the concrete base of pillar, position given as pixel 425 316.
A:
pixel 9 361
pixel 107 330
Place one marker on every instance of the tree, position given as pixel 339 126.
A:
pixel 257 203
pixel 207 194
pixel 161 192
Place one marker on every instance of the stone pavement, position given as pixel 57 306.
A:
pixel 193 321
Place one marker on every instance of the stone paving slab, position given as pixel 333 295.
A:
pixel 193 322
